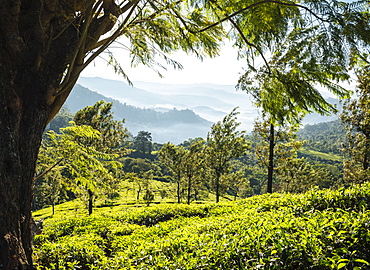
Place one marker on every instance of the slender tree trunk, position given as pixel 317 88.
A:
pixel 91 198
pixel 189 189
pixel 217 186
pixel 138 193
pixel 196 194
pixel 178 190
pixel 53 209
pixel 365 163
pixel 271 159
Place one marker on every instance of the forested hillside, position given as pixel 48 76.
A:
pixel 173 125
pixel 326 137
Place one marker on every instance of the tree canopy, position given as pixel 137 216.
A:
pixel 224 143
pixel 356 118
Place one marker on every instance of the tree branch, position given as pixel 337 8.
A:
pixel 48 170
pixel 65 86
pixel 228 17
pixel 243 36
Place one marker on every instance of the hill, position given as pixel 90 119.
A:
pixel 324 137
pixel 210 101
pixel 171 125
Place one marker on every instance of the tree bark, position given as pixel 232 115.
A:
pixel 178 190
pixel 271 159
pixel 91 198
pixel 29 75
pixel 21 127
pixel 39 42
pixel 217 184
pixel 189 189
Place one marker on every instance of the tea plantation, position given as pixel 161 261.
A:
pixel 321 229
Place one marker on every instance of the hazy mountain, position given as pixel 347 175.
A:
pixel 172 125
pixel 209 101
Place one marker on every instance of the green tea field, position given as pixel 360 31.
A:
pixel 321 229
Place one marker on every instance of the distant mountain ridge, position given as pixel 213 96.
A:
pixel 172 125
pixel 210 101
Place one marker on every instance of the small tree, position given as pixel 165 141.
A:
pixel 224 143
pixel 50 189
pixel 356 118
pixel 143 142
pixel 275 144
pixel 298 175
pixel 237 181
pixel 172 157
pixel 192 163
pixel 89 170
pixel 148 197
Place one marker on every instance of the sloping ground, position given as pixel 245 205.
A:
pixel 320 155
pixel 317 230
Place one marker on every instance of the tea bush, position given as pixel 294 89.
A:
pixel 322 229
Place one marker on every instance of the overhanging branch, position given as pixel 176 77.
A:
pixel 48 170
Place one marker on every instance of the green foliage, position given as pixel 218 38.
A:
pixel 143 142
pixel 307 50
pixel 320 155
pixel 275 147
pixel 224 143
pixel 113 136
pixel 356 118
pixel 298 175
pixel 83 157
pixel 326 137
pixel 61 120
pixel 73 161
pixel 193 168
pixel 172 157
pixel 322 229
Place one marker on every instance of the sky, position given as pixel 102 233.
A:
pixel 224 69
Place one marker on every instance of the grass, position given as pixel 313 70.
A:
pixel 126 199
pixel 321 155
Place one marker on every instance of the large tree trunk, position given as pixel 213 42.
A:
pixel 29 75
pixel 22 121
pixel 39 42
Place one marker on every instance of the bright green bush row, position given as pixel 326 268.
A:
pixel 317 230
